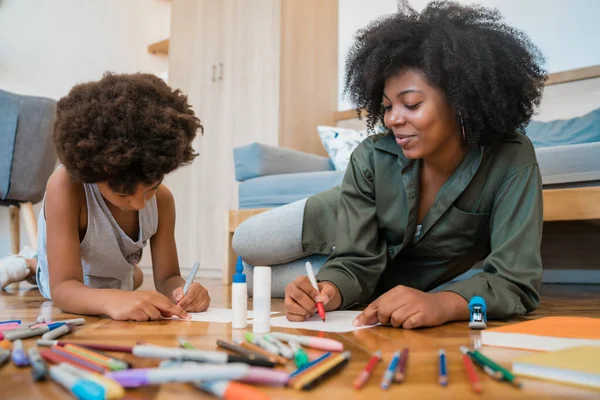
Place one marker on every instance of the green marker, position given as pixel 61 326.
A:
pixel 185 344
pixel 508 376
pixel 300 356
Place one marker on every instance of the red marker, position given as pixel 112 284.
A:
pixel 366 373
pixel 313 282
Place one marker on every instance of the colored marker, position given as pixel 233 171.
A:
pixel 111 387
pixel 364 376
pixel 254 348
pixel 313 282
pixel 401 369
pixel 56 358
pixel 309 365
pixel 321 372
pixel 191 278
pixel 11 321
pixel 228 390
pixel 470 370
pixel 10 326
pixel 146 376
pixel 18 354
pixel 388 375
pixel 311 341
pixel 94 346
pixel 73 321
pixel 282 348
pixel 300 356
pixel 5 344
pixel 27 333
pixel 506 374
pixel 58 332
pixel 215 357
pixel 240 350
pixel 443 368
pixel 82 388
pixel 259 341
pixel 185 344
pixel 39 370
pixel 4 356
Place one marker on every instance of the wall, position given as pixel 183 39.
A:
pixel 566 32
pixel 48 46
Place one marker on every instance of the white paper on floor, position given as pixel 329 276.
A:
pixel 224 315
pixel 335 321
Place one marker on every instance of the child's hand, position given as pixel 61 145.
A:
pixel 196 299
pixel 301 297
pixel 141 306
pixel 409 308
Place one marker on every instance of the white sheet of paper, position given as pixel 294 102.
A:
pixel 335 321
pixel 224 315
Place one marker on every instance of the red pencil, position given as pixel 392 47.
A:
pixel 471 373
pixel 366 373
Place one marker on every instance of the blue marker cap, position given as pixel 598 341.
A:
pixel 88 390
pixel 55 325
pixel 239 276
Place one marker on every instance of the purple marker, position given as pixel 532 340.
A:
pixel 147 376
pixel 18 354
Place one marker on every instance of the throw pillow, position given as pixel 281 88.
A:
pixel 341 142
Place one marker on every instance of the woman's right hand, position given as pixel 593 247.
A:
pixel 301 298
pixel 141 305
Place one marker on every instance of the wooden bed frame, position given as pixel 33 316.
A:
pixel 570 204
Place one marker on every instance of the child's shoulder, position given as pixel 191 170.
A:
pixel 63 187
pixel 164 198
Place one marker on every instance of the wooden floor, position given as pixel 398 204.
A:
pixel 26 303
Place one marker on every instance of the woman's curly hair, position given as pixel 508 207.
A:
pixel 490 73
pixel 125 129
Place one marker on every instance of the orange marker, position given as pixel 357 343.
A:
pixel 313 282
pixel 231 390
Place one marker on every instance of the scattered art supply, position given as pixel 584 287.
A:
pixel 477 307
pixel 300 356
pixel 321 371
pixel 191 278
pixel 185 344
pixel 256 349
pixel 311 341
pixel 283 350
pixel 19 357
pixel 365 374
pixel 112 388
pixel 309 365
pixel 337 321
pixel 4 356
pixel 239 297
pixel 574 365
pixel 95 346
pixel 27 333
pixel 221 315
pixel 5 344
pixel 78 360
pixel 40 319
pixel 112 363
pixel 215 357
pixel 58 332
pixel 313 282
pixel 229 390
pixel 483 360
pixel 388 376
pixel 259 341
pixel 401 370
pixel 470 370
pixel 545 334
pixel 56 358
pixel 39 370
pixel 262 300
pixel 81 388
pixel 240 350
pixel 443 368
pixel 10 321
pixel 189 373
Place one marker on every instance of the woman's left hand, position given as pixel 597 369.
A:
pixel 196 299
pixel 411 308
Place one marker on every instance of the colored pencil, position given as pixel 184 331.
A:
pixel 470 370
pixel 57 358
pixel 309 365
pixel 320 372
pixel 112 363
pixel 97 367
pixel 443 368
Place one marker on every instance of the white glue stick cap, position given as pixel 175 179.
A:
pixel 262 300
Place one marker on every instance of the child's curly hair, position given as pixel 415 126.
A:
pixel 489 72
pixel 125 129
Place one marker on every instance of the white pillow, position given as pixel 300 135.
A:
pixel 341 142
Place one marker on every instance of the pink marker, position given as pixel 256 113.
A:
pixel 8 327
pixel 310 341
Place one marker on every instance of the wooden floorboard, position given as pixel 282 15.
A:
pixel 26 303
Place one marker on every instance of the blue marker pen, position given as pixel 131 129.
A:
pixel 11 321
pixel 18 354
pixel 443 368
pixel 386 381
pixel 83 389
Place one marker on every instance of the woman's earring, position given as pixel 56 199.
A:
pixel 462 126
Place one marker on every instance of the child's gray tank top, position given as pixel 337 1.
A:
pixel 107 253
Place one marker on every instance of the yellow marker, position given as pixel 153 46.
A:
pixel 321 371
pixel 113 389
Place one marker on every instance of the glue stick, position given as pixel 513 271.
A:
pixel 239 297
pixel 262 300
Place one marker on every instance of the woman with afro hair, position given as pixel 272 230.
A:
pixel 116 138
pixel 452 181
